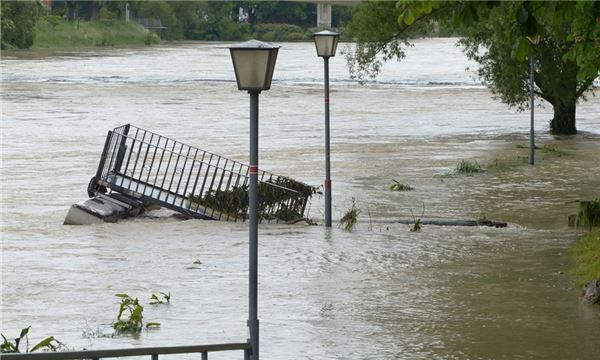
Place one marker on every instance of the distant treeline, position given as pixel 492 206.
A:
pixel 181 20
pixel 65 23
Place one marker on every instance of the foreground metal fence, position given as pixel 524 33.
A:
pixel 153 353
pixel 197 183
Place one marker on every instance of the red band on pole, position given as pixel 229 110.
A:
pixel 253 169
pixel 328 184
pixel 326 100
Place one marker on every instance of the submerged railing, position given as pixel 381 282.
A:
pixel 195 182
pixel 153 352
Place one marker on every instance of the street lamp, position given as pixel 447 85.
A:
pixel 254 63
pixel 326 43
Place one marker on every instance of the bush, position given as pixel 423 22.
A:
pixel 586 252
pixel 17 23
pixel 280 32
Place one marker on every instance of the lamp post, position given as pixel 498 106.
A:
pixel 254 63
pixel 326 43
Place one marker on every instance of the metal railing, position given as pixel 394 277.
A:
pixel 195 182
pixel 153 352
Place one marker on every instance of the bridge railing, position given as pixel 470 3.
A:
pixel 152 352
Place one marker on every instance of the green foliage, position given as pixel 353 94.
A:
pixel 276 201
pixel 166 298
pixel 130 318
pixel 589 213
pixel 564 37
pixel 398 186
pixel 17 23
pixel 468 168
pixel 281 32
pixel 162 10
pixel 552 150
pixel 586 253
pixel 49 343
pixel 350 218
pixel 67 34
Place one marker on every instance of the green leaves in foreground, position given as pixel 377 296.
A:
pixel 130 318
pixel 49 343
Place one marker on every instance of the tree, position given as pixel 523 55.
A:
pixel 563 37
pixel 17 21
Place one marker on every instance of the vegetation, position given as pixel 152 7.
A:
pixel 552 150
pixel 398 186
pixel 51 33
pixel 350 218
pixel 17 23
pixel 166 298
pixel 276 201
pixel 506 164
pixel 81 23
pixel 416 225
pixel 49 343
pixel 586 253
pixel 468 167
pixel 501 36
pixel 130 318
pixel 589 214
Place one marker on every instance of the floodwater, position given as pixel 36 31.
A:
pixel 381 292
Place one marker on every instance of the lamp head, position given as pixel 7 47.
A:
pixel 254 64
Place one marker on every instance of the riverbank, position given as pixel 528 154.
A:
pixel 53 33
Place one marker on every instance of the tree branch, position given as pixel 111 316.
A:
pixel 586 84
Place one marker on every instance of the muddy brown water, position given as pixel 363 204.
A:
pixel 381 292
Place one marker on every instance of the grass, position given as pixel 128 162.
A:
pixel 589 214
pixel 468 167
pixel 586 253
pixel 552 150
pixel 506 164
pixel 87 34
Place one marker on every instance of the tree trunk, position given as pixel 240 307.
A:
pixel 563 122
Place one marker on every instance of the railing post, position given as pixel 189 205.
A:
pixel 100 169
pixel 204 355
pixel 154 356
pixel 122 149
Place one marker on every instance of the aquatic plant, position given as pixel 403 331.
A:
pixel 49 343
pixel 134 322
pixel 166 298
pixel 468 167
pixel 589 213
pixel 350 218
pixel 416 225
pixel 398 186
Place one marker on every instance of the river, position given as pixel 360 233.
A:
pixel 380 292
